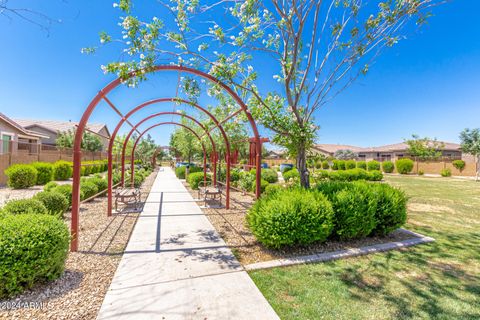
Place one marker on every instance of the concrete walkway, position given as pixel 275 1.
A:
pixel 176 266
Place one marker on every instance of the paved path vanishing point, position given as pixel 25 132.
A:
pixel 176 266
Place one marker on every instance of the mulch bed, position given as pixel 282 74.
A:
pixel 79 292
pixel 231 225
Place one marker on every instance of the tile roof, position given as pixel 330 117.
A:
pixel 19 127
pixel 58 126
pixel 332 148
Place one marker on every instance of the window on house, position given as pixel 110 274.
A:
pixel 5 148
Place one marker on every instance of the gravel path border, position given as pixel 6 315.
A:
pixel 79 292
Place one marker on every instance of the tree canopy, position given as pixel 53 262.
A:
pixel 424 148
pixel 90 142
pixel 317 49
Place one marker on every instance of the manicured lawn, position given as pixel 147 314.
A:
pixel 440 280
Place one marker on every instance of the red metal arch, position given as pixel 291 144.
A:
pixel 164 100
pixel 77 154
pixel 154 116
pixel 165 123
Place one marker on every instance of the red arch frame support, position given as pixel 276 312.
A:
pixel 77 153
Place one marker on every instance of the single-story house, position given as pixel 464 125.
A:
pixel 52 128
pixel 387 152
pixel 14 137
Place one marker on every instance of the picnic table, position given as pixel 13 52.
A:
pixel 127 196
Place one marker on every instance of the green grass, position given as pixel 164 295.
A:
pixel 440 280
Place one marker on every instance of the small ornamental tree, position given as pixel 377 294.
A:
pixel 345 154
pixel 424 148
pixel 317 49
pixel 470 142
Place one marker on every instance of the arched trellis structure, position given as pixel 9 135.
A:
pixel 165 123
pixel 135 127
pixel 102 95
pixel 125 119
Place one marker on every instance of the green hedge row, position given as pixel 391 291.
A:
pixel 347 175
pixel 21 176
pixel 344 210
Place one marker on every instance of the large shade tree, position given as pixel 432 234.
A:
pixel 313 49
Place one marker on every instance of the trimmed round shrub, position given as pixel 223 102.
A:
pixel 375 175
pixel 459 164
pixel 446 172
pixel 354 208
pixel 44 172
pixel 291 217
pixel 180 172
pixel 387 166
pixel 66 190
pixel 62 170
pixel 102 184
pixel 291 174
pixel 23 206
pixel 350 164
pixel 21 176
pixel 325 165
pixel 55 202
pixel 404 166
pixel 269 175
pixel 89 189
pixel 373 165
pixel 194 179
pixel 263 185
pixel 50 186
pixel 391 208
pixel 33 248
pixel 338 165
pixel 362 165
pixel 272 188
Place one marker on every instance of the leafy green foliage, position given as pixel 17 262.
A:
pixel 291 174
pixel 88 188
pixel 338 164
pixel 269 175
pixel 273 188
pixel 348 175
pixel 44 172
pixel 424 148
pixel 404 166
pixel 55 202
pixel 90 141
pixel 459 164
pixel 33 249
pixel 263 185
pixel 362 165
pixel 350 164
pixel 50 186
pixel 291 217
pixel 325 165
pixel 388 166
pixel 373 165
pixel 21 176
pixel 354 208
pixel 23 206
pixel 62 170
pixel 446 172
pixel 195 178
pixel 66 191
pixel 180 171
pixel 102 184
pixel 391 209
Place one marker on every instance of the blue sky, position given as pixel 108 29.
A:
pixel 429 84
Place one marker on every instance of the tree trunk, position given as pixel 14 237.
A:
pixel 302 166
